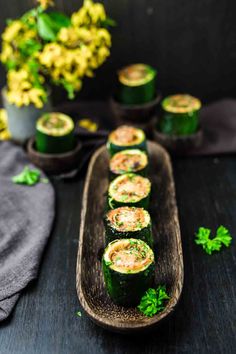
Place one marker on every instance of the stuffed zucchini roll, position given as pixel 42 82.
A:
pixel 128 268
pixel 180 115
pixel 128 222
pixel 54 133
pixel 137 84
pixel 129 190
pixel 126 137
pixel 125 161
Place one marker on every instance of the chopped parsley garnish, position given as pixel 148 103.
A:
pixel 153 301
pixel 78 313
pixel 29 177
pixel 120 223
pixel 210 245
pixel 110 202
pixel 139 225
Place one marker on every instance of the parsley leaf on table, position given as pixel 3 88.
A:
pixel 153 301
pixel 29 177
pixel 213 244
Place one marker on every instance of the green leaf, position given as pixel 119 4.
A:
pixel 49 24
pixel 11 64
pixel 29 14
pixel 59 20
pixel 46 28
pixel 110 200
pixel 28 177
pixel 78 313
pixel 153 301
pixel 108 22
pixel 223 236
pixel 29 47
pixel 210 245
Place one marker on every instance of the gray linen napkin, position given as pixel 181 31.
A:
pixel 26 217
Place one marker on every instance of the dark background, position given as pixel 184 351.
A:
pixel 191 43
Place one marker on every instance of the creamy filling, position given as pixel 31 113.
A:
pixel 128 218
pixel 128 161
pixel 181 104
pixel 126 136
pixel 129 255
pixel 55 124
pixel 136 74
pixel 129 188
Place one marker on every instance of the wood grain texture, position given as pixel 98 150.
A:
pixel 192 43
pixel 168 249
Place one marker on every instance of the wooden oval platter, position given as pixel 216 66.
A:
pixel 166 232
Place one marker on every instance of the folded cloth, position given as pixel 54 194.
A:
pixel 26 217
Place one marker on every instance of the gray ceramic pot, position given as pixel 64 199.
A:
pixel 22 120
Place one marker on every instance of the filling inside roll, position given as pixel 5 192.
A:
pixel 128 256
pixel 129 188
pixel 128 161
pixel 128 218
pixel 126 136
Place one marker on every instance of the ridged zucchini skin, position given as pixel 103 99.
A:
pixel 54 144
pixel 143 203
pixel 131 95
pixel 113 148
pixel 111 234
pixel 127 289
pixel 179 123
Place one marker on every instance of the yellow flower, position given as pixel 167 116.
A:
pixel 90 14
pixel 12 31
pixel 35 96
pixel 104 36
pixel 7 52
pixel 77 51
pixel 4 132
pixel 88 124
pixel 21 90
pixel 46 3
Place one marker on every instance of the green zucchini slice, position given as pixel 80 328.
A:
pixel 126 137
pixel 54 133
pixel 126 161
pixel 128 268
pixel 128 222
pixel 180 115
pixel 129 190
pixel 136 84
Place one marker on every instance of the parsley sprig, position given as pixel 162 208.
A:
pixel 153 301
pixel 210 245
pixel 30 177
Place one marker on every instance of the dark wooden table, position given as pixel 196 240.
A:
pixel 45 320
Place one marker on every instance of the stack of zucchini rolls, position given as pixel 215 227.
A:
pixel 128 260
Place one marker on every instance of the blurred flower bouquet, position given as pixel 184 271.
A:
pixel 47 46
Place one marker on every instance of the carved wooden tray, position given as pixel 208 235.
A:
pixel 168 249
